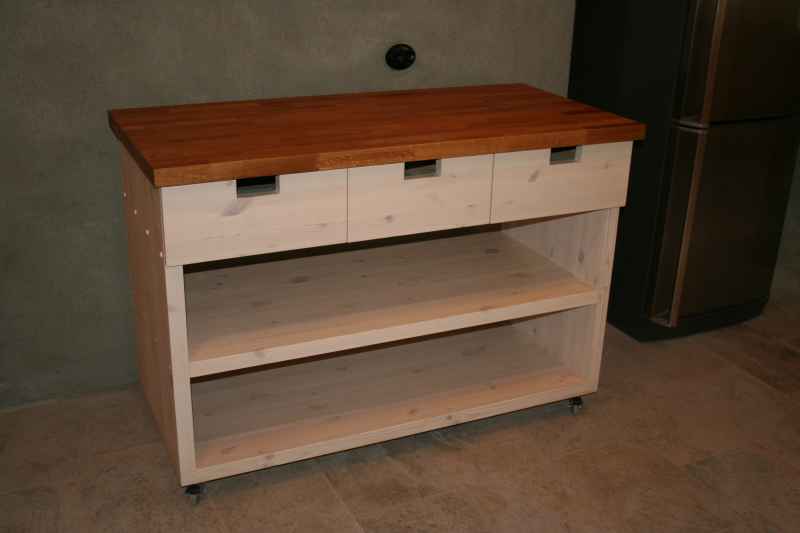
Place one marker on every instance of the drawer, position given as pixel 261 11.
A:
pixel 406 198
pixel 540 183
pixel 234 218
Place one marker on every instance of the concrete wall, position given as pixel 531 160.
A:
pixel 65 311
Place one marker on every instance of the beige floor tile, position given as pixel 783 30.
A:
pixel 766 492
pixel 291 498
pixel 34 510
pixel 758 353
pixel 781 319
pixel 783 442
pixel 37 442
pixel 473 511
pixel 724 411
pixel 626 360
pixel 133 490
pixel 618 488
pixel 440 463
pixel 369 480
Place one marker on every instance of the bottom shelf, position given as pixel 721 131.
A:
pixel 284 413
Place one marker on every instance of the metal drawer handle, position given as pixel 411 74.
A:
pixel 257 186
pixel 565 154
pixel 426 168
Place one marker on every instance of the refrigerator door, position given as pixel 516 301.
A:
pixel 741 61
pixel 680 172
pixel 730 186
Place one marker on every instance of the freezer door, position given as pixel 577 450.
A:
pixel 725 216
pixel 741 61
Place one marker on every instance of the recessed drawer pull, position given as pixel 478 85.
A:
pixel 426 168
pixel 549 182
pixel 254 215
pixel 565 154
pixel 390 200
pixel 257 186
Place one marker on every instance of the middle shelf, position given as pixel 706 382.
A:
pixel 250 315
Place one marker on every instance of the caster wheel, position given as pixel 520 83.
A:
pixel 195 493
pixel 575 404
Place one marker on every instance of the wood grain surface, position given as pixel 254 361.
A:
pixel 196 143
pixel 281 414
pixel 252 315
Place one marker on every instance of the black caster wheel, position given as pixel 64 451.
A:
pixel 195 493
pixel 575 404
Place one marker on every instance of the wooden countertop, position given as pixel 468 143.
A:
pixel 196 143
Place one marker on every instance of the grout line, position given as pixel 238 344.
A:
pixel 339 497
pixel 736 367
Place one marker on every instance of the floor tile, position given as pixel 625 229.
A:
pixel 438 462
pixel 38 441
pixel 619 488
pixel 757 352
pixel 369 480
pixel 34 510
pixel 625 360
pixel 473 511
pixel 780 319
pixel 290 498
pixel 723 411
pixel 133 490
pixel 767 492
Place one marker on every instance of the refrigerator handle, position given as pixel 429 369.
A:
pixel 701 52
pixel 688 147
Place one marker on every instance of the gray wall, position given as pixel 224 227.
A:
pixel 65 311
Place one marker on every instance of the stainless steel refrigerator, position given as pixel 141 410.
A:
pixel 718 84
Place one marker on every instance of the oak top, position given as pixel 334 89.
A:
pixel 196 143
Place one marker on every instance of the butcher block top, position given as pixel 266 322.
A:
pixel 196 143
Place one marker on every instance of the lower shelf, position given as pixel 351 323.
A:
pixel 284 413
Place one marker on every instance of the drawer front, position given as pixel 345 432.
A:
pixel 529 185
pixel 221 220
pixel 389 200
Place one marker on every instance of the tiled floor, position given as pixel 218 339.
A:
pixel 696 434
